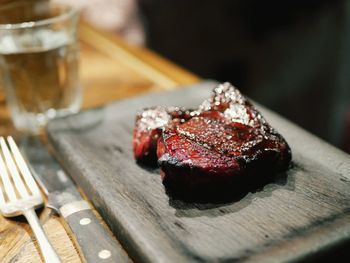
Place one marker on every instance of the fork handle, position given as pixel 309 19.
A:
pixel 46 248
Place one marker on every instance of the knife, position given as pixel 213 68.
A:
pixel 95 242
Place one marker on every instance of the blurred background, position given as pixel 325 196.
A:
pixel 291 56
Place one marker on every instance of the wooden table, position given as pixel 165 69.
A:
pixel 110 70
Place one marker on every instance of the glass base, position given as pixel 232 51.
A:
pixel 33 123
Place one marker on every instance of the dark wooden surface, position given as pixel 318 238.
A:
pixel 297 216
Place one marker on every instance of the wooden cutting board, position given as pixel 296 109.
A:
pixel 302 213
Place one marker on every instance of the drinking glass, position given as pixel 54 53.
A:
pixel 39 55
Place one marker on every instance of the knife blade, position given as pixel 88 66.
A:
pixel 95 242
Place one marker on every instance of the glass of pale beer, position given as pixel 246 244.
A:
pixel 39 55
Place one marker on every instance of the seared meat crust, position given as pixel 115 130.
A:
pixel 226 139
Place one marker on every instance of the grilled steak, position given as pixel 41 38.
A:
pixel 226 140
pixel 148 128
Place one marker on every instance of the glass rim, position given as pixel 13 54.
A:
pixel 69 11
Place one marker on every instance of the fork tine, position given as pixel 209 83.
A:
pixel 2 198
pixel 13 169
pixel 27 175
pixel 7 185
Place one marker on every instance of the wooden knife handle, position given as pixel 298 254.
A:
pixel 96 243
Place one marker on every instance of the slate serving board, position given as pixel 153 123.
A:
pixel 302 213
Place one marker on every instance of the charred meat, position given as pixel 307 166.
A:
pixel 226 139
pixel 148 128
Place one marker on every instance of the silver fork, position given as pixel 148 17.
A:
pixel 20 195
